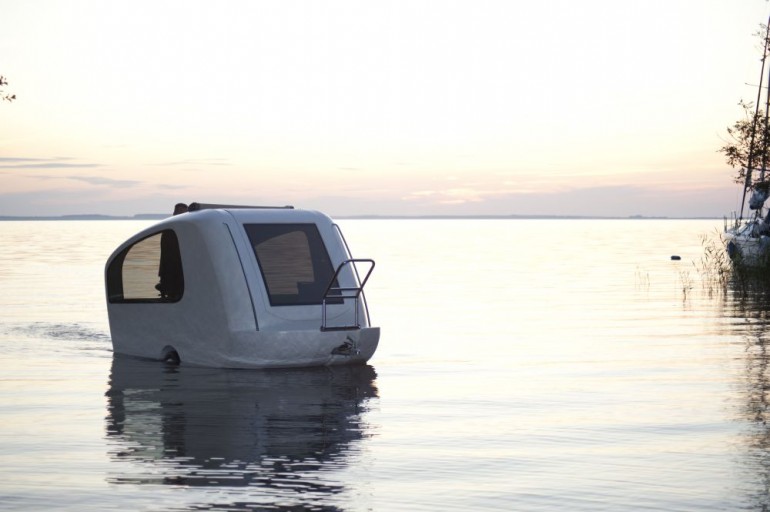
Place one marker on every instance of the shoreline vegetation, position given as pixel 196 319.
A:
pixel 159 216
pixel 721 275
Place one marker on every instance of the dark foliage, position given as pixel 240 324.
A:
pixel 5 95
pixel 749 142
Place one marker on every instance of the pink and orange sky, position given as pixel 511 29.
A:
pixel 415 107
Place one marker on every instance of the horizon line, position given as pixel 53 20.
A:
pixel 160 216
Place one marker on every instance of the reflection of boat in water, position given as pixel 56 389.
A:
pixel 747 312
pixel 240 287
pixel 215 427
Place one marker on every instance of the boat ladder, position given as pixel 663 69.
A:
pixel 335 293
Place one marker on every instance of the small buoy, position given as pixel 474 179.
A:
pixel 676 258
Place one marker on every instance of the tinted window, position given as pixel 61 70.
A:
pixel 293 260
pixel 148 271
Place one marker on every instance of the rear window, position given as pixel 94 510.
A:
pixel 148 271
pixel 293 260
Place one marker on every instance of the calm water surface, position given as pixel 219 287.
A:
pixel 523 365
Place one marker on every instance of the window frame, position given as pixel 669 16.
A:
pixel 320 262
pixel 116 274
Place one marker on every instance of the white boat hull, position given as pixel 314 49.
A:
pixel 255 349
pixel 745 248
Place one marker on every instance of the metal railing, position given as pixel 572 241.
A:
pixel 335 292
pixel 195 207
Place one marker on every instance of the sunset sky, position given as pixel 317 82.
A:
pixel 560 107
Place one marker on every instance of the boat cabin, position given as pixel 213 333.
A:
pixel 240 287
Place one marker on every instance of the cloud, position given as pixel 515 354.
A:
pixel 43 163
pixel 87 201
pixel 603 201
pixel 98 180
pixel 419 194
pixel 92 180
pixel 217 162
pixel 8 164
pixel 50 165
pixel 456 195
pixel 99 194
pixel 13 159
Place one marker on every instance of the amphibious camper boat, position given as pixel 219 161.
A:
pixel 240 287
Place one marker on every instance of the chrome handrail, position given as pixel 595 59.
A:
pixel 345 292
pixel 355 269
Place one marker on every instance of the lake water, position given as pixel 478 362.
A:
pixel 523 365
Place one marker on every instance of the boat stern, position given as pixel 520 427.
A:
pixel 286 349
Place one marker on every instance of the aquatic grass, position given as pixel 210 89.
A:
pixel 686 281
pixel 642 279
pixel 715 268
pixel 722 275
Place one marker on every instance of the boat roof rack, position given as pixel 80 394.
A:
pixel 194 207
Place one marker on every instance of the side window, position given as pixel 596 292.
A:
pixel 148 271
pixel 293 260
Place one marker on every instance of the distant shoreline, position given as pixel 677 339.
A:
pixel 144 216
pixel 160 216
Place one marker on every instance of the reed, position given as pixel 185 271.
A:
pixel 716 268
pixel 722 275
pixel 686 281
